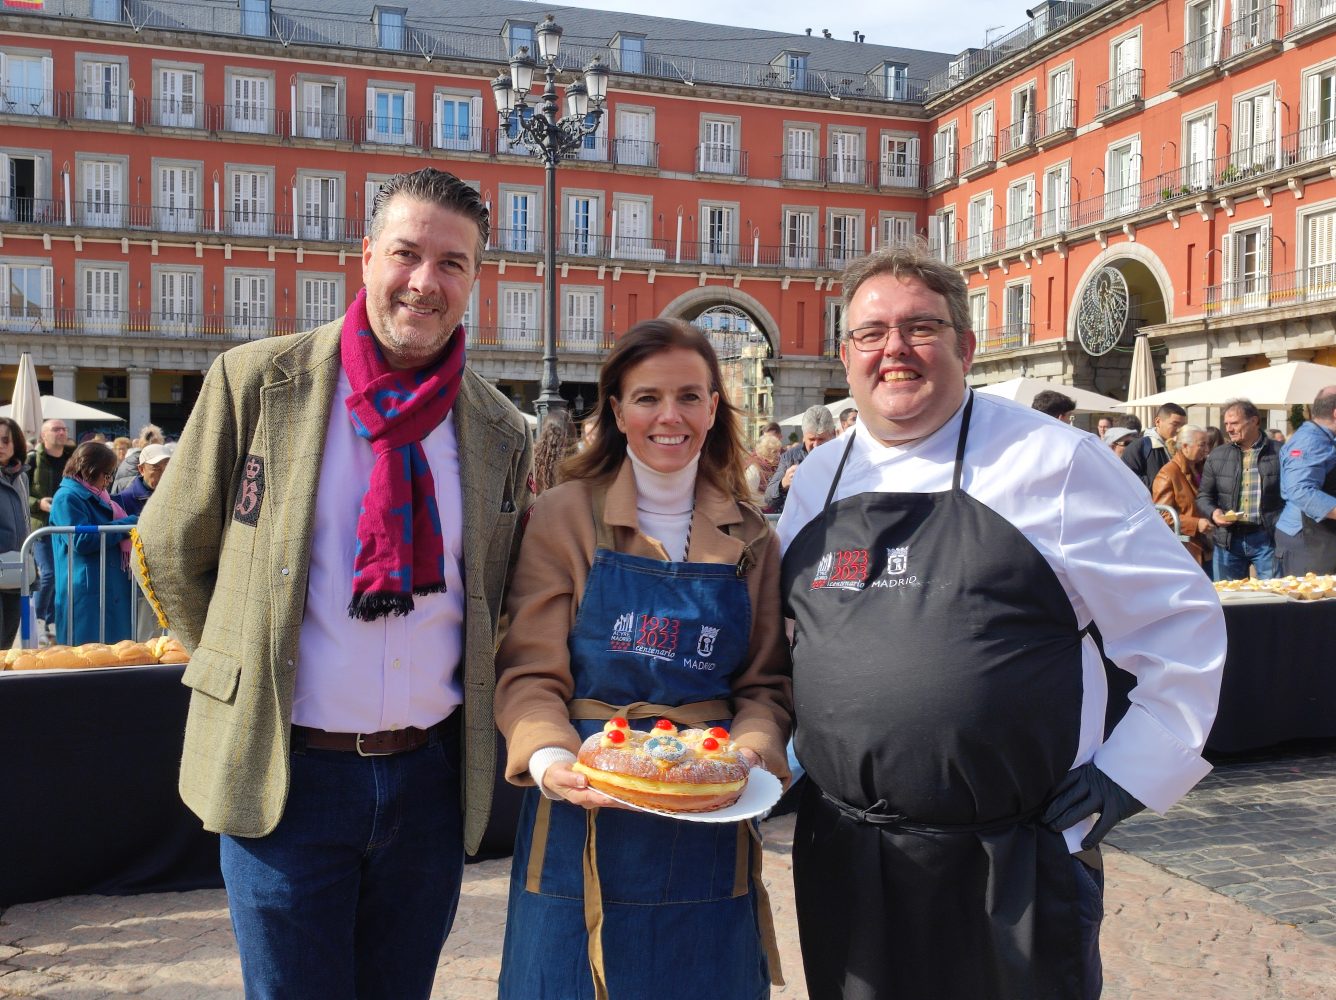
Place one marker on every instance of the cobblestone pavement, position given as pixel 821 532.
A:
pixel 1260 829
pixel 1169 932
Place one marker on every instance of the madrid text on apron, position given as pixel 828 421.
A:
pixel 1318 552
pixel 937 693
pixel 609 903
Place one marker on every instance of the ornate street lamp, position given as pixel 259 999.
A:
pixel 550 136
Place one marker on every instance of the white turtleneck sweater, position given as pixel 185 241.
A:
pixel 664 503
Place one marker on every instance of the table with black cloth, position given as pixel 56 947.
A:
pixel 90 759
pixel 1279 681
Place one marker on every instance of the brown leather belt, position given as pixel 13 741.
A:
pixel 382 744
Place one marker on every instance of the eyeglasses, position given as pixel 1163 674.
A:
pixel 923 330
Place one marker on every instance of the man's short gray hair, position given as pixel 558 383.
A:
pixel 817 420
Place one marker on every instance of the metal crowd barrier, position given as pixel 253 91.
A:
pixel 1164 508
pixel 26 639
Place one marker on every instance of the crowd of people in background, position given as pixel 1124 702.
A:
pixel 54 483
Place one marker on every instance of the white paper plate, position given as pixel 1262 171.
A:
pixel 761 792
pixel 1251 597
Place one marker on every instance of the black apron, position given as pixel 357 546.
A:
pixel 1316 552
pixel 937 689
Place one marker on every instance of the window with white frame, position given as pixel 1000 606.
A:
pixel 389 115
pixel 795 69
pixel 984 126
pixel 1318 134
pixel 1057 200
pixel 1198 153
pixel 23 186
pixel 719 233
pixel 1020 212
pixel 1016 313
pixel 582 318
pixel 896 229
pixel 102 296
pixel 944 153
pixel 177 107
pixel 635 137
pixel 582 217
pixel 799 237
pixel 520 316
pixel 1319 235
pixel 249 202
pixel 1022 131
pixel 942 234
pixel 800 159
pixel 1247 265
pixel 719 145
pixel 845 165
pixel 830 345
pixel 519 34
pixel 630 53
pixel 176 208
pixel 1122 178
pixel 632 229
pixel 594 146
pixel 319 117
pixel 1059 114
pixel 1253 134
pixel 1125 66
pixel 177 300
pixel 458 121
pixel 252 104
pixel 981 225
pixel 1199 52
pixel 899 160
pixel 844 230
pixel 519 213
pixel 391 29
pixel 100 98
pixel 103 193
pixel 105 10
pixel 321 207
pixel 319 300
pixel 895 77
pixel 249 297
pixel 979 315
pixel 25 84
pixel 26 302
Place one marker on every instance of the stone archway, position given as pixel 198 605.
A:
pixel 690 305
pixel 1151 301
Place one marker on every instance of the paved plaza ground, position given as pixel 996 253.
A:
pixel 1232 896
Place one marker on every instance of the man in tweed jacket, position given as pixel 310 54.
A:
pixel 334 754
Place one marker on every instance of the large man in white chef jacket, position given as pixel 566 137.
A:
pixel 944 564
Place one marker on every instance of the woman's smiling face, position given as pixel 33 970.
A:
pixel 665 407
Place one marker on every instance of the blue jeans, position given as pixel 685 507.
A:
pixel 1252 549
pixel 354 892
pixel 44 600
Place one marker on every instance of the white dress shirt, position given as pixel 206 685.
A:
pixel 1092 521
pixel 397 671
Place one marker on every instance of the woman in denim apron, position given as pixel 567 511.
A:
pixel 647 587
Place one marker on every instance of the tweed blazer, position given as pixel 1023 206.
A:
pixel 226 547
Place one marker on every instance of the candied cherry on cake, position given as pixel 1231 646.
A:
pixel 709 743
pixel 719 732
pixel 665 724
pixel 616 736
pixel 619 722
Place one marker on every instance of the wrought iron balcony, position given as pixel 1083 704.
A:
pixel 718 158
pixel 979 156
pixel 1120 96
pixel 1194 62
pixel 1256 34
pixel 1265 290
pixel 1005 337
pixel 1056 123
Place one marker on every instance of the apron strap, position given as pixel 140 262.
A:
pixel 960 443
pixel 593 906
pixel 878 814
pixel 533 877
pixel 839 470
pixel 690 714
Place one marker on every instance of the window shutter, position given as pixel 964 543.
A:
pixel 47 74
pixel 1321 241
pixel 1264 256
pixel 48 294
pixel 1227 275
pixel 371 109
pixel 1245 120
pixel 4 192
pixel 1261 119
pixel 410 122
pixel 475 122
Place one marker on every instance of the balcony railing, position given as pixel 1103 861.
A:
pixel 901 174
pixel 1193 58
pixel 40 211
pixel 31 101
pixel 527 337
pixel 1019 135
pixel 101 106
pixel 1123 91
pixel 846 170
pixel 429 39
pixel 171 112
pixel 1252 31
pixel 800 167
pixel 1005 337
pixel 1057 118
pixel 237 324
pixel 1307 13
pixel 715 158
pixel 635 153
pixel 979 155
pixel 1316 283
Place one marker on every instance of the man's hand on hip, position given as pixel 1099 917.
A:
pixel 1084 791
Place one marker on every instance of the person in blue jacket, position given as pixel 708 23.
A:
pixel 82 499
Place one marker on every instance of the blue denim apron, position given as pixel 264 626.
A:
pixel 609 903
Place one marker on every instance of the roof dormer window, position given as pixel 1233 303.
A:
pixel 630 51
pixel 391 28
pixel 519 34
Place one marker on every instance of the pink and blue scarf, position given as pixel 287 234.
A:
pixel 400 546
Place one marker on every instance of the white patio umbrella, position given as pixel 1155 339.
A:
pixel 1268 388
pixel 54 408
pixel 1024 389
pixel 1141 381
pixel 835 408
pixel 26 405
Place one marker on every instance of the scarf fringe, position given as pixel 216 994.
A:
pixel 369 607
pixel 435 588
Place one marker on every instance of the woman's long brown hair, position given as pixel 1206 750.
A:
pixel 722 458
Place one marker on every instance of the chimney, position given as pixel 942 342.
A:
pixel 825 32
pixel 862 37
pixel 809 32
